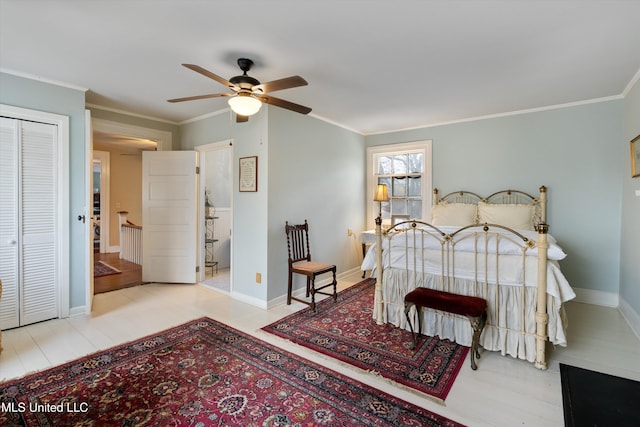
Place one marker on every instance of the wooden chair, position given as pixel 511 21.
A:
pixel 300 263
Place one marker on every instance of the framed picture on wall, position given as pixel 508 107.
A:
pixel 635 156
pixel 248 174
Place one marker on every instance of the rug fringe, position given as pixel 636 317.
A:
pixel 351 367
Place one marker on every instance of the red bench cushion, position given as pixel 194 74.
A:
pixel 452 303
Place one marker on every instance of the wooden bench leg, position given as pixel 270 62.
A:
pixel 407 308
pixel 477 324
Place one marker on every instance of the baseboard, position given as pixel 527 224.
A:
pixel 631 316
pixel 300 292
pixel 78 311
pixel 249 300
pixel 589 296
pixel 113 249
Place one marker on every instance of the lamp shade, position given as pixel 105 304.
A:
pixel 381 194
pixel 245 104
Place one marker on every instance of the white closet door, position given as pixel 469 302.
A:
pixel 39 296
pixel 9 267
pixel 28 251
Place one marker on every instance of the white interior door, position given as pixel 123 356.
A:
pixel 88 163
pixel 9 223
pixel 29 249
pixel 169 216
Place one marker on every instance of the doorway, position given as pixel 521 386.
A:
pixel 217 186
pixel 118 147
pixel 101 191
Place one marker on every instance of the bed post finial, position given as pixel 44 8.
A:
pixel 435 196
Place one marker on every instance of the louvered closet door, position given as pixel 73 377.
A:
pixel 9 302
pixel 29 252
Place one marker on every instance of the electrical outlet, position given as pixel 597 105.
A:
pixel 258 278
pixel 349 232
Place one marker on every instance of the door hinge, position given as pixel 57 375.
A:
pixel 197 269
pixel 197 170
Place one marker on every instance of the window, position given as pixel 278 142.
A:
pixel 406 170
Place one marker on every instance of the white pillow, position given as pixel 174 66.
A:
pixel 517 217
pixel 460 214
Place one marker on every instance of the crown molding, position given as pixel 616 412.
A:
pixel 42 79
pixel 507 114
pixel 129 113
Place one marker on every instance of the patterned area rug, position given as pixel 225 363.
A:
pixel 346 331
pixel 101 268
pixel 202 373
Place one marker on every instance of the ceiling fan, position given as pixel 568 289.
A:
pixel 248 94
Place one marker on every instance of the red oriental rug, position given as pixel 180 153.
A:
pixel 345 330
pixel 202 373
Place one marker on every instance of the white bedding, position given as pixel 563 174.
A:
pixel 504 331
pixel 509 302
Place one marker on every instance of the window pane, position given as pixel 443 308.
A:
pixel 402 173
pixel 415 186
pixel 399 187
pixel 415 209
pixel 398 207
pixel 400 164
pixel 385 165
pixel 416 163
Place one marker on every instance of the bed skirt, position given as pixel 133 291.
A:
pixel 511 324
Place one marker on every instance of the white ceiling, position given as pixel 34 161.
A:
pixel 371 66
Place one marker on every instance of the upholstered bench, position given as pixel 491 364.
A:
pixel 474 308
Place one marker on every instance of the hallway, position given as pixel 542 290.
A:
pixel 131 274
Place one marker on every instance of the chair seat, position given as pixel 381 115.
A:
pixel 311 267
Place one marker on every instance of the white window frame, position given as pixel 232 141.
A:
pixel 399 148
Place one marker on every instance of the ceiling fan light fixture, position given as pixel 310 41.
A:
pixel 245 104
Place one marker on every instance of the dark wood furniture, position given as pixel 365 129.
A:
pixel 474 308
pixel 300 263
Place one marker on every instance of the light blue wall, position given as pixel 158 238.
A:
pixel 573 151
pixel 249 209
pixel 205 131
pixel 316 172
pixel 35 95
pixel 307 169
pixel 630 231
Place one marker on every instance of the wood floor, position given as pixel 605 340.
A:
pixel 131 274
pixel 502 392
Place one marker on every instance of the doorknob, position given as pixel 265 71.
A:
pixel 81 218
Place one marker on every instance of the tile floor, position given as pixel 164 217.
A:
pixel 502 392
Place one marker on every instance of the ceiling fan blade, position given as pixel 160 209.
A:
pixel 284 104
pixel 241 119
pixel 209 74
pixel 280 84
pixel 192 98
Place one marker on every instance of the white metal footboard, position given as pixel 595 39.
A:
pixel 474 260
